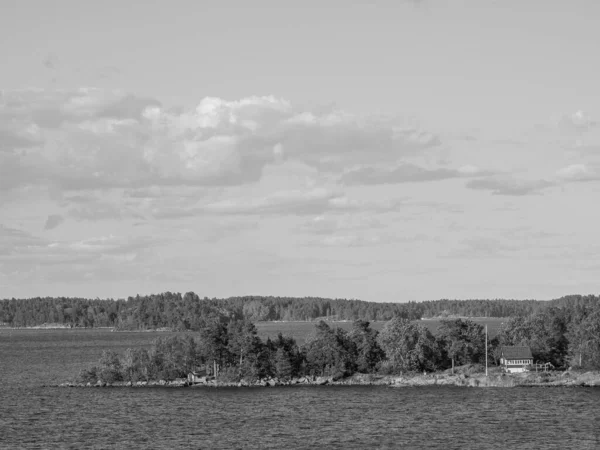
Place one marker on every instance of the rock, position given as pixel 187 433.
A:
pixel 272 383
pixel 321 381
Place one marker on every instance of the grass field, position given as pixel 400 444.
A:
pixel 301 330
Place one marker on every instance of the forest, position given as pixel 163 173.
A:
pixel 189 312
pixel 566 336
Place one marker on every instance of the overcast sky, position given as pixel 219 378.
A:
pixel 397 151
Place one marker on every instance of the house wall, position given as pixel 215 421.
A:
pixel 516 366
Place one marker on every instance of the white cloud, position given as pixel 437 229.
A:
pixel 406 173
pixel 579 120
pixel 509 186
pixel 578 172
pixel 350 240
pixel 344 223
pixel 91 138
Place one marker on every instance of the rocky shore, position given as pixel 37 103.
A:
pixel 542 379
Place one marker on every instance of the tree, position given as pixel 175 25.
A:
pixel 242 340
pixel 245 349
pixel 544 332
pixel 368 352
pixel 462 340
pixel 584 337
pixel 409 346
pixel 135 364
pixel 283 366
pixel 215 339
pixel 329 352
pixel 109 369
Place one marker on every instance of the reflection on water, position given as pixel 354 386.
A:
pixel 283 417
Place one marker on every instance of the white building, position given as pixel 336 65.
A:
pixel 515 359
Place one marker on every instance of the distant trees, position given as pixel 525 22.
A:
pixel 190 312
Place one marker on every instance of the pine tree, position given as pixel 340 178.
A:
pixel 283 366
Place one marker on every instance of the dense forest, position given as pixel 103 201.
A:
pixel 231 350
pixel 189 311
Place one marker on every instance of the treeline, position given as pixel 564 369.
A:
pixel 232 351
pixel 189 311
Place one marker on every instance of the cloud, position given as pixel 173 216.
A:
pixel 299 202
pixel 578 172
pixel 579 121
pixel 509 186
pixel 406 173
pixel 127 107
pixel 328 225
pixel 483 247
pixel 53 221
pixel 96 139
pixel 12 240
pixel 23 253
pixel 345 230
pixel 11 139
pixel 350 240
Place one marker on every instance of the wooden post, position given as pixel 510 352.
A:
pixel 486 356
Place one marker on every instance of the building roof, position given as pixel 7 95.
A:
pixel 511 352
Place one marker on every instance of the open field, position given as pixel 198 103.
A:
pixel 301 330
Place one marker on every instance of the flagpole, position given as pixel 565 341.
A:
pixel 486 358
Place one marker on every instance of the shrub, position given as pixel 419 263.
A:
pixel 229 374
pixel 89 375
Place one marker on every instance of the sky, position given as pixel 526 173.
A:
pixel 384 150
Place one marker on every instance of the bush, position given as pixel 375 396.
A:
pixel 230 374
pixel 89 375
pixel 387 368
pixel 110 369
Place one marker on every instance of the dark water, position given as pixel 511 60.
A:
pixel 286 417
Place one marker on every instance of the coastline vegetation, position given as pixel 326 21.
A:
pixel 222 339
pixel 230 351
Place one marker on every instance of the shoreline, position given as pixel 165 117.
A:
pixel 542 379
